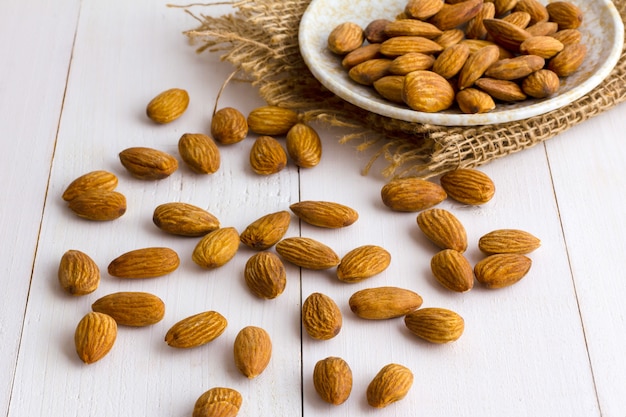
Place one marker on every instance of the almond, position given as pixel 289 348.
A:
pixel 325 214
pixel 475 28
pixel 566 14
pixel 427 91
pixel 542 29
pixel 168 105
pixel 410 62
pixel 474 101
pixel 508 241
pixel 196 330
pixel 451 60
pixel 271 120
pixel 229 126
pixel 332 379
pixel 362 263
pixel 184 219
pixel 218 402
pixel 502 270
pixel 360 55
pixel 506 34
pixel 468 186
pixel 321 317
pixel 199 152
pixel 369 71
pixel 476 64
pixel 135 309
pixel 375 31
pixel 144 263
pixel 436 325
pixel 95 180
pixel 521 19
pixel 307 253
pixel 216 248
pixel 450 37
pixel 503 90
pixel 94 337
pixel 412 194
pixel 536 10
pixel 345 38
pixel 216 409
pixel 391 384
pixel 265 275
pixel 443 229
pixel 452 15
pixel 504 6
pixel 252 351
pixel 411 27
pixel 452 270
pixel 147 163
pixel 382 303
pixel 423 9
pixel 542 83
pixel 266 231
pixel 78 274
pixel 568 36
pixel 304 146
pixel 99 205
pixel 400 45
pixel 390 88
pixel 267 156
pixel 515 68
pixel 567 61
pixel 543 46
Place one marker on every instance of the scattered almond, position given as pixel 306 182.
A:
pixel 196 330
pixel 443 229
pixel 168 105
pixel 508 241
pixel 265 275
pixel 468 186
pixel 95 180
pixel 252 351
pixel 362 263
pixel 304 145
pixel 147 163
pixel 78 274
pixel 452 270
pixel 267 156
pixel 321 317
pixel 332 379
pixel 135 309
pixel 436 325
pixel 381 303
pixel 271 120
pixel 502 270
pixel 229 126
pixel 391 384
pixel 184 219
pixel 199 152
pixel 94 336
pixel 218 402
pixel 307 253
pixel 144 263
pixel 325 214
pixel 216 248
pixel 99 205
pixel 412 194
pixel 266 231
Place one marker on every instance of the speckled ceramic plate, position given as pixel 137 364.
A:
pixel 603 34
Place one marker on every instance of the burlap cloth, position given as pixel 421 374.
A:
pixel 260 39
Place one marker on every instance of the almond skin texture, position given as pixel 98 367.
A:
pixel 135 309
pixel 362 263
pixel 508 241
pixel 168 105
pixel 147 163
pixel 266 231
pixel 468 186
pixel 452 15
pixel 216 248
pixel 567 61
pixel 267 156
pixel 307 253
pixel 412 194
pixel 427 91
pixel 265 275
pixel 78 274
pixel 543 46
pixel 144 263
pixel 390 87
pixel 199 152
pixel 271 120
pixel 436 325
pixel 474 101
pixel 506 34
pixel 541 84
pixel 218 402
pixel 196 330
pixel 229 126
pixel 411 27
pixel 515 68
pixel 184 219
pixel 392 383
pixel 366 73
pixel 345 38
pixel 476 65
pixel 360 55
pixel 332 379
pixel 502 270
pixel 99 205
pixel 321 317
pixel 382 303
pixel 423 9
pixel 401 45
pixel 451 60
pixel 252 351
pixel 566 14
pixel 95 180
pixel 537 11
pixel 443 229
pixel 94 337
pixel 452 270
pixel 503 90
pixel 325 214
pixel 304 146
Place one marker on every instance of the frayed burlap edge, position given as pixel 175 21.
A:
pixel 260 39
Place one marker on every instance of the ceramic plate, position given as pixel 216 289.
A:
pixel 602 29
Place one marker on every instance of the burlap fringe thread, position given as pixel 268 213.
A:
pixel 261 41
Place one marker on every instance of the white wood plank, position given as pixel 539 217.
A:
pixel 588 171
pixel 36 43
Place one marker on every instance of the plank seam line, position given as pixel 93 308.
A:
pixel 569 264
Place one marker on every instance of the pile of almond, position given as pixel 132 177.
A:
pixel 470 53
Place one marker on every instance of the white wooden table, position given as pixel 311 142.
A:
pixel 75 79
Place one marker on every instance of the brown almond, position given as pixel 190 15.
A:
pixel 427 91
pixel 267 156
pixel 504 6
pixel 196 330
pixel 304 146
pixel 568 36
pixel 390 88
pixel 542 29
pixel 508 241
pixel 218 402
pixel 566 14
pixel 94 180
pixel 321 317
pixel 216 409
pixel 566 62
pixel 410 62
pixel 450 61
pixel 78 274
pixel 332 379
pixel 515 68
pixel 94 337
pixel 543 46
pixel 436 325
pixel 99 205
pixel 144 263
pixel 361 54
pixel 216 248
pixel 135 309
pixel 542 83
pixel 265 275
pixel 147 163
pixel 382 303
pixel 411 27
pixel 362 263
pixel 199 152
pixel 502 270
pixel 345 38
pixel 229 126
pixel 536 10
pixel 521 19
pixel 168 105
pixel 476 44
pixel 476 65
pixel 506 34
pixel 184 219
pixel 452 15
pixel 474 101
pixel 468 186
pixel 452 270
pixel 375 31
pixel 412 194
pixel 325 214
pixel 422 9
pixel 252 351
pixel 450 37
pixel 307 253
pixel 475 28
pixel 266 231
pixel 271 120
pixel 400 45
pixel 369 71
pixel 503 90
pixel 391 384
pixel 443 229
